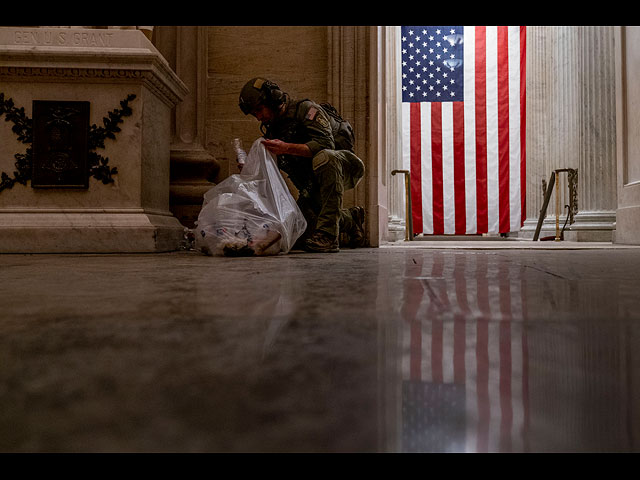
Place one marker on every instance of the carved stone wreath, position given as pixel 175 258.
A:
pixel 23 127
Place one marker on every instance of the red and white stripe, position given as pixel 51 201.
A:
pixel 467 159
pixel 463 324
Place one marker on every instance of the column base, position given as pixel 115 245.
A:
pixel 592 227
pixel 587 227
pixel 397 229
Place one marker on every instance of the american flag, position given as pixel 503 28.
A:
pixel 465 358
pixel 463 117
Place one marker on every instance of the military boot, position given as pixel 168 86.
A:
pixel 321 242
pixel 357 235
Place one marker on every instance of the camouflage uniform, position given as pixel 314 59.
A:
pixel 322 179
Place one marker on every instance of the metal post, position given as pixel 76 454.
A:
pixel 557 207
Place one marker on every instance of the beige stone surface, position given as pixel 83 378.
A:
pixel 124 153
pixel 193 168
pixel 628 134
pixel 294 57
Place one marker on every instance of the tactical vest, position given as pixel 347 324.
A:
pixel 289 129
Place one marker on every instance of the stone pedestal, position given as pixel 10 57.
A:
pixel 103 67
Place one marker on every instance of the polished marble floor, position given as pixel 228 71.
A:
pixel 417 349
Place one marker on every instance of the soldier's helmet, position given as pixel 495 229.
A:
pixel 260 91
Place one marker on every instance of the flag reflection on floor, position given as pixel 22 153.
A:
pixel 464 362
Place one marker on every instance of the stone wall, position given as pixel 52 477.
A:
pixel 293 57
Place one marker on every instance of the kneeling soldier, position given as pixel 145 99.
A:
pixel 314 147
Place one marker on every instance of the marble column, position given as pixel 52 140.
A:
pixel 396 189
pixel 571 124
pixel 346 71
pixel 193 167
pixel 596 216
pixel 349 90
pixel 552 116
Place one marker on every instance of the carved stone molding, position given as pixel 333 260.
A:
pixel 148 78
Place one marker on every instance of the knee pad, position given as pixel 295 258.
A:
pixel 321 159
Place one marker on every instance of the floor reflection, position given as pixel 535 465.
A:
pixel 498 355
pixel 390 349
pixel 464 364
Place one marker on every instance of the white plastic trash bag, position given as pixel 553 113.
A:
pixel 251 213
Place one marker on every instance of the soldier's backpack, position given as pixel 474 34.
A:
pixel 342 129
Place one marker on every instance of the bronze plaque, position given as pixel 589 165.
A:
pixel 60 144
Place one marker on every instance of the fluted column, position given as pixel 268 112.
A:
pixel 571 124
pixel 192 166
pixel 396 189
pixel 553 113
pixel 596 216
